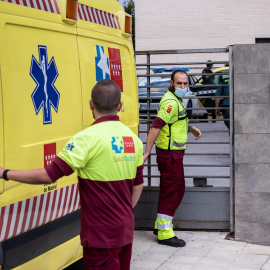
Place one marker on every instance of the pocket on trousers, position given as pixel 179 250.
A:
pixel 162 163
pixel 177 166
pixel 95 260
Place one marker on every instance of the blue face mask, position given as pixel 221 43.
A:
pixel 179 92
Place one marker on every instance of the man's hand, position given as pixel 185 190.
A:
pixel 145 157
pixel 218 112
pixel 195 131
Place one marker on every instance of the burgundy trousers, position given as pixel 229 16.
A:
pixel 172 180
pixel 107 258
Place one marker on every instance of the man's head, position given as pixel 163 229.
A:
pixel 209 64
pixel 105 98
pixel 179 79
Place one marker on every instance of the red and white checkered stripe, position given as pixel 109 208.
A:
pixel 31 213
pixel 98 16
pixel 85 13
pixel 46 5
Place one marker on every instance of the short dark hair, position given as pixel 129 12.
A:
pixel 209 63
pixel 177 71
pixel 106 96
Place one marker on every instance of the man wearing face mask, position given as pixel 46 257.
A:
pixel 169 132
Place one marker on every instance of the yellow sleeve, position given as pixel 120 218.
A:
pixel 168 110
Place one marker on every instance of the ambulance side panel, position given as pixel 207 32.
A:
pixel 1 125
pixel 40 110
pixel 47 71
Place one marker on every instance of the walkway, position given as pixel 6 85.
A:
pixel 204 251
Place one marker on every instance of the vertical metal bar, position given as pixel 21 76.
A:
pixel 232 165
pixel 148 116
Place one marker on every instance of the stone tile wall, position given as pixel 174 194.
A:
pixel 252 142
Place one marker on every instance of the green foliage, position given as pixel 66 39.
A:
pixel 129 7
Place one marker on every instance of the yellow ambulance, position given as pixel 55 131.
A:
pixel 52 52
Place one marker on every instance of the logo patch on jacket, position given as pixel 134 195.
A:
pixel 128 145
pixel 169 109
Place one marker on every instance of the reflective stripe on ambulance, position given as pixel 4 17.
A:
pixel 85 13
pixel 29 214
pixel 45 5
pixel 98 16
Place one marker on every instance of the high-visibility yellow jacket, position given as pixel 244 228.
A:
pixel 173 136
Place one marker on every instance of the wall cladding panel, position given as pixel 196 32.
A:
pixel 252 88
pixel 252 142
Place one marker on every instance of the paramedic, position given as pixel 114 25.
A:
pixel 169 132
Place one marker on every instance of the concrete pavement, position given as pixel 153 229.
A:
pixel 203 251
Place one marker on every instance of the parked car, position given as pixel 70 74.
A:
pixel 210 90
pixel 159 86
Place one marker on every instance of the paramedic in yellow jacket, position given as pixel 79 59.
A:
pixel 108 158
pixel 169 132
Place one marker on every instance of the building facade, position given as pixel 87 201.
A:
pixel 174 24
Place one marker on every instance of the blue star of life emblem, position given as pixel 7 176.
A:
pixel 117 145
pixel 45 94
pixel 70 146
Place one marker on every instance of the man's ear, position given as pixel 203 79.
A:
pixel 91 104
pixel 120 105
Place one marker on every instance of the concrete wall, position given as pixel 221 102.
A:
pixel 252 142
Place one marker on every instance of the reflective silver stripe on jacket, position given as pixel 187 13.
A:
pixel 164 226
pixel 166 217
pixel 178 144
pixel 182 112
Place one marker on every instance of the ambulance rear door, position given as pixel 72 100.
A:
pixel 41 92
pixel 105 54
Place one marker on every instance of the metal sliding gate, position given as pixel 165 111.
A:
pixel 208 201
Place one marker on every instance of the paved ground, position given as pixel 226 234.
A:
pixel 204 251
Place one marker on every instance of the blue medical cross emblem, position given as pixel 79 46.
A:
pixel 117 145
pixel 45 94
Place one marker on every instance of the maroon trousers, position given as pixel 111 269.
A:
pixel 107 258
pixel 172 180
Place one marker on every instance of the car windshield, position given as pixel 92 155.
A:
pixel 217 78
pixel 155 85
pixel 143 81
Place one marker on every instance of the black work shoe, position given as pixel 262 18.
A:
pixel 155 231
pixel 173 242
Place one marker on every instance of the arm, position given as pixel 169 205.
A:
pixel 208 77
pixel 195 131
pixel 151 138
pixel 136 193
pixel 35 176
